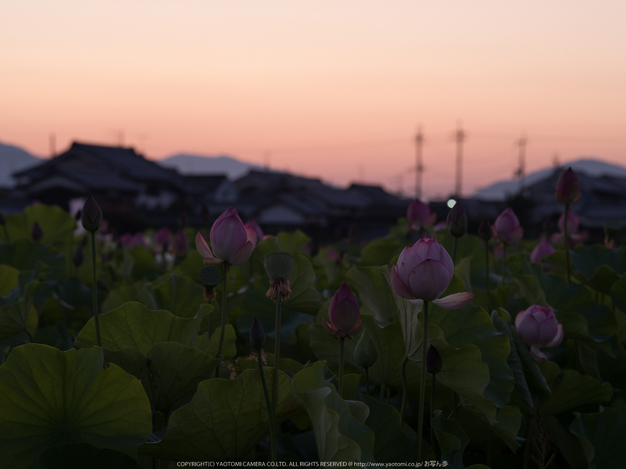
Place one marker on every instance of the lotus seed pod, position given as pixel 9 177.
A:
pixel 210 276
pixel 278 265
pixel 365 352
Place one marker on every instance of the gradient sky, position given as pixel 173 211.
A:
pixel 329 89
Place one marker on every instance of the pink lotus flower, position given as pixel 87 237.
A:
pixel 419 214
pixel 231 241
pixel 568 188
pixel 507 228
pixel 544 248
pixel 538 327
pixel 131 240
pixel 344 314
pixel 574 237
pixel 163 236
pixel 423 273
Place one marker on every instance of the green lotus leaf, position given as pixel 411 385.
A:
pixel 144 265
pixel 380 252
pixel 179 295
pixel 312 392
pixel 17 311
pixel 24 254
pixel 603 437
pixel 391 444
pixel 452 440
pixel 82 455
pixel 169 372
pixel 133 326
pixel 374 291
pixel 304 295
pixel 8 279
pixel 570 389
pixel 57 225
pixel 618 293
pixel 224 421
pixel 51 398
pixel 293 242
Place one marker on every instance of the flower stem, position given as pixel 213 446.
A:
pixel 221 343
pixel 270 410
pixel 405 387
pixel 94 289
pixel 433 442
pixel 367 382
pixel 341 347
pixel 456 240
pixel 503 264
pixel 566 241
pixel 276 351
pixel 420 416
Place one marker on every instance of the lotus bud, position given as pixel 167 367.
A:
pixel 507 227
pixel 278 266
pixel 457 220
pixel 418 214
pixel 91 216
pixel 163 237
pixel 205 213
pixel 257 335
pixel 257 229
pixel 544 248
pixel 538 327
pixel 231 241
pixel 485 231
pixel 36 232
pixel 344 314
pixel 568 188
pixel 433 361
pixel 423 273
pixel 365 353
pixel 78 257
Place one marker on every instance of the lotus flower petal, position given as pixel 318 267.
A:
pixel 429 280
pixel 537 354
pixel 455 301
pixel 398 285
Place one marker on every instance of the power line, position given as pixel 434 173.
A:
pixel 459 137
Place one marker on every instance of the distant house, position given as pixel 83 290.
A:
pixel 284 201
pixel 122 181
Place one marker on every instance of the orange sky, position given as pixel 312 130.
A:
pixel 328 89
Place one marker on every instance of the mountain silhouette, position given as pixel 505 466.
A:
pixel 13 159
pixel 199 164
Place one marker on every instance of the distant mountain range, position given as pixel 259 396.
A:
pixel 501 190
pixel 199 164
pixel 13 159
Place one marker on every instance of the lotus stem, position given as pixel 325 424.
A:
pixel 503 264
pixel 420 416
pixel 433 442
pixel 341 353
pixel 94 289
pixel 405 387
pixel 276 351
pixel 566 241
pixel 367 381
pixel 268 405
pixel 221 342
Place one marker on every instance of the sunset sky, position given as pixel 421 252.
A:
pixel 328 89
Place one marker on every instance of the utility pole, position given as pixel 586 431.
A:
pixel 459 137
pixel 419 168
pixel 520 172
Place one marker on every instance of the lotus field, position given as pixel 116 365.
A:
pixel 430 347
